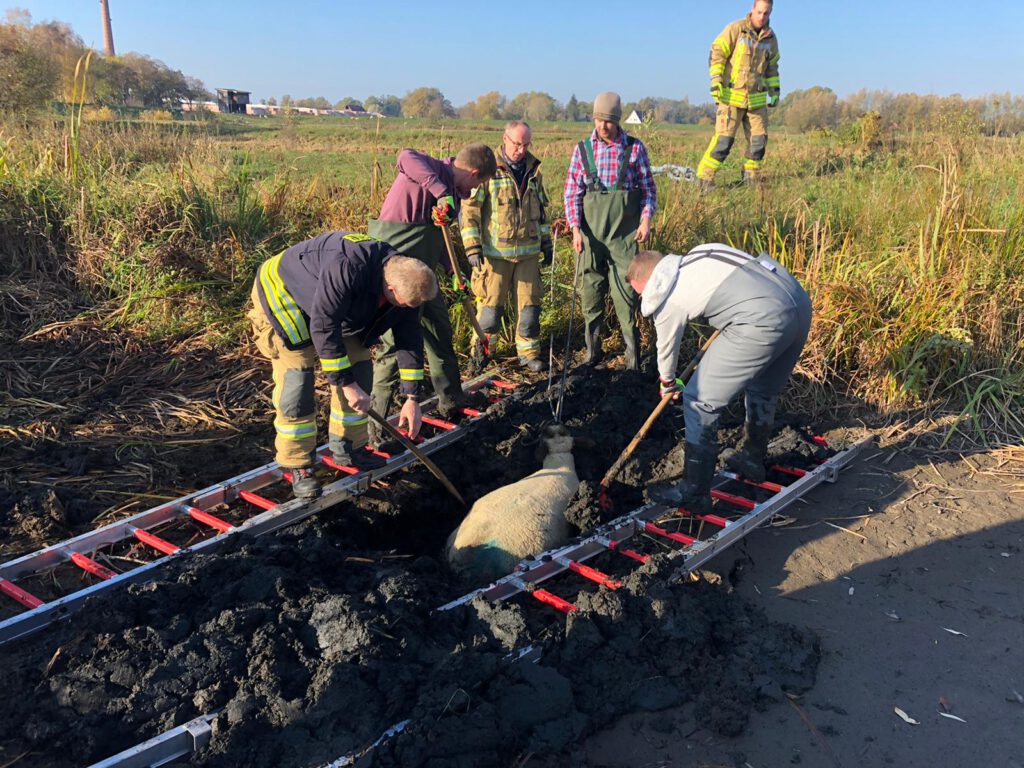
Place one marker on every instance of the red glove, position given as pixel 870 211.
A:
pixel 443 213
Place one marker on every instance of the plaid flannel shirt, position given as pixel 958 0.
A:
pixel 607 157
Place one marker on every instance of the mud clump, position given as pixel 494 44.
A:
pixel 310 642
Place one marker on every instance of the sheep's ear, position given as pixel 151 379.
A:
pixel 541 451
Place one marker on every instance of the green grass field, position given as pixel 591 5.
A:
pixel 911 247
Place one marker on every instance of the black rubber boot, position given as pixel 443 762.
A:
pixel 632 352
pixel 534 364
pixel 592 336
pixel 381 405
pixel 450 408
pixel 694 493
pixel 748 459
pixel 360 458
pixel 304 483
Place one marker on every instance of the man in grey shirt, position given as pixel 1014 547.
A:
pixel 764 316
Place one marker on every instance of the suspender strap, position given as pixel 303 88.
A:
pixel 590 165
pixel 624 163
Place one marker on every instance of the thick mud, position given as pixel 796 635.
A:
pixel 313 641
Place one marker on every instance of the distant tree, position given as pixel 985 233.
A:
pixel 811 109
pixel 572 109
pixel 271 102
pixel 489 106
pixel 532 105
pixel 348 100
pixel 426 102
pixel 541 106
pixel 29 78
pixel 389 106
pixel 321 103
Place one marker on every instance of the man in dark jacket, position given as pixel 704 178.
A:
pixel 331 298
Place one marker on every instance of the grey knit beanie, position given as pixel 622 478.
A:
pixel 608 106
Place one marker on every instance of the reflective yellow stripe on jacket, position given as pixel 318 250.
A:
pixel 281 302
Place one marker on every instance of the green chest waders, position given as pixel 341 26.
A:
pixel 610 220
pixel 426 243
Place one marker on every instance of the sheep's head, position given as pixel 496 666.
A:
pixel 556 439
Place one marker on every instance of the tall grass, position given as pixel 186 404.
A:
pixel 912 252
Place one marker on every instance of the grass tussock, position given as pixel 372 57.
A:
pixel 912 252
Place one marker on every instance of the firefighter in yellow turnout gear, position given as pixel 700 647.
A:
pixel 744 69
pixel 507 238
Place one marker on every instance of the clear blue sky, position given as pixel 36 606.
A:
pixel 654 48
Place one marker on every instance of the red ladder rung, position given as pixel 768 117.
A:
pixel 447 426
pixel 791 471
pixel 404 433
pixel 154 541
pixel 721 522
pixel 207 519
pixel 730 498
pixel 471 412
pixel 764 486
pixel 91 566
pixel 593 575
pixel 553 600
pixel 329 462
pixel 259 501
pixel 820 441
pixel 499 384
pixel 682 539
pixel 18 594
pixel 630 553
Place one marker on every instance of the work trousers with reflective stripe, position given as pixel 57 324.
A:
pixel 493 281
pixel 727 122
pixel 295 395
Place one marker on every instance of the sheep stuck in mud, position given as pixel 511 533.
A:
pixel 519 519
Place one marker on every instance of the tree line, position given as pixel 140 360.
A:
pixel 38 64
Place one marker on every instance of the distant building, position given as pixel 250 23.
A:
pixel 231 101
pixel 636 117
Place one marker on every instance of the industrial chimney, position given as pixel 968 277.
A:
pixel 108 33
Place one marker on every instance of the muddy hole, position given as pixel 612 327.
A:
pixel 310 642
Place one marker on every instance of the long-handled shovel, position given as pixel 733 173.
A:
pixel 606 481
pixel 467 302
pixel 434 469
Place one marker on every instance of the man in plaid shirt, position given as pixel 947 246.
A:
pixel 610 200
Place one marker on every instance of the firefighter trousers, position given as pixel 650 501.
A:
pixel 727 122
pixel 493 281
pixel 294 395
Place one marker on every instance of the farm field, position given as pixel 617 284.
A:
pixel 128 251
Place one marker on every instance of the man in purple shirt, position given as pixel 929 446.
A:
pixel 610 199
pixel 424 197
